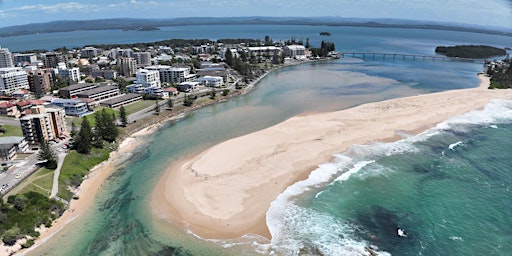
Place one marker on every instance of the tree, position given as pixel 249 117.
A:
pixel 212 94
pixel 225 92
pixel 188 101
pixel 307 44
pixel 170 103
pixel 47 154
pixel 157 108
pixel 122 116
pixel 84 137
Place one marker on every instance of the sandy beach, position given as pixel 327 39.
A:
pixel 226 190
pixel 86 192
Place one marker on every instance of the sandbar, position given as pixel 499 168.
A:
pixel 225 191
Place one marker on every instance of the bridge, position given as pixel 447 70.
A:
pixel 403 56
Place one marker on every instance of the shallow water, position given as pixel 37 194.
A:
pixel 120 221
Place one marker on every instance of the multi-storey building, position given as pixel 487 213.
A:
pixel 51 59
pixel 71 73
pixel 22 59
pixel 264 52
pixel 106 74
pixel 39 81
pixel 295 51
pixel 143 59
pixel 72 107
pixel 170 74
pixel 148 78
pixel 44 123
pixel 100 93
pixel 89 52
pixel 211 81
pixel 5 58
pixel 127 66
pixel 72 91
pixel 12 79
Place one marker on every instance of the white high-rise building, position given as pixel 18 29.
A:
pixel 12 79
pixel 148 78
pixel 71 73
pixel 5 58
pixel 170 74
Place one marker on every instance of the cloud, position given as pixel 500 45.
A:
pixel 62 7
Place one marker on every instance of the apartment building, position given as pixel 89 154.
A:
pixel 143 59
pixel 44 123
pixel 170 74
pixel 39 81
pixel 127 66
pixel 5 58
pixel 12 79
pixel 148 78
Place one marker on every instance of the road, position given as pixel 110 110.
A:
pixel 26 167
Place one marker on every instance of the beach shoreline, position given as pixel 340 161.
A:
pixel 225 191
pixel 87 190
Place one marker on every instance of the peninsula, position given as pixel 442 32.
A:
pixel 210 192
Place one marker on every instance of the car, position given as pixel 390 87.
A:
pixel 18 176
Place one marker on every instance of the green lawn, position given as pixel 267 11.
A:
pixel 139 105
pixel 11 130
pixel 41 181
pixel 92 120
pixel 76 166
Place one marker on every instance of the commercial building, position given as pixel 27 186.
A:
pixel 5 58
pixel 99 93
pixel 73 90
pixel 295 51
pixel 211 81
pixel 121 100
pixel 72 107
pixel 12 79
pixel 264 51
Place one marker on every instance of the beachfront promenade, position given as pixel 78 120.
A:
pixel 403 56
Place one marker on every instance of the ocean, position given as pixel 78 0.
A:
pixel 448 187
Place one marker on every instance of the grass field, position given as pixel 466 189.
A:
pixel 41 181
pixel 76 166
pixel 11 130
pixel 137 106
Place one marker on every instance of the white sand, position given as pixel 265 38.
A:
pixel 225 191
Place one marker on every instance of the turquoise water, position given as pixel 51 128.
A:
pixel 352 213
pixel 449 188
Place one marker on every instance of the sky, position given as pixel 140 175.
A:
pixel 496 13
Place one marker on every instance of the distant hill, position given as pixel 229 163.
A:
pixel 151 24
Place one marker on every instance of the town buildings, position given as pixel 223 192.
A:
pixel 5 58
pixel 175 75
pixel 127 66
pixel 148 78
pixel 43 123
pixel 12 79
pixel 11 145
pixel 39 81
